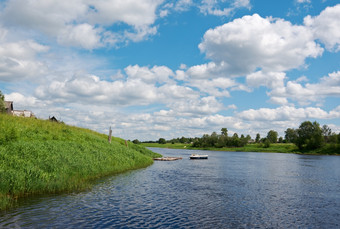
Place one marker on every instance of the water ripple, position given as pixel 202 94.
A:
pixel 229 190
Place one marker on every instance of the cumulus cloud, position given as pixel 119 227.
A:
pixel 328 86
pixel 269 79
pixel 22 101
pixel 157 74
pixel 217 87
pixel 196 107
pixel 252 42
pixel 18 60
pixel 285 113
pixel 213 7
pixel 140 86
pixel 82 35
pixel 90 89
pixel 83 23
pixel 326 27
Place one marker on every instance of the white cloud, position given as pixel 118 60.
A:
pixel 217 87
pixel 82 35
pixel 329 86
pixel 196 107
pixel 141 86
pixel 286 113
pixel 18 60
pixel 22 101
pixel 90 89
pixel 214 7
pixel 252 42
pixel 84 23
pixel 269 79
pixel 156 74
pixel 134 13
pixel 326 27
pixel 303 1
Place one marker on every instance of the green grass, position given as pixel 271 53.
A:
pixel 38 157
pixel 328 149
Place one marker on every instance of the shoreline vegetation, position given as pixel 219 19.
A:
pixel 44 157
pixel 309 138
pixel 253 147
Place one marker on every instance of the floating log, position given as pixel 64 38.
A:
pixel 167 158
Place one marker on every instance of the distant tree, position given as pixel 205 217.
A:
pixel 243 141
pixel 272 136
pixel 309 135
pixel 266 143
pixel 162 141
pixel 326 132
pixel 213 139
pixel 258 138
pixel 333 138
pixel 224 132
pixel 222 141
pixel 280 139
pixel 183 140
pixel 291 135
pixel 234 141
pixel 136 141
pixel 2 103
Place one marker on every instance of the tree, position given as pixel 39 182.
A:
pixel 136 141
pixel 272 136
pixel 258 138
pixel 291 135
pixel 183 140
pixel 266 143
pixel 2 103
pixel 224 132
pixel 326 132
pixel 161 141
pixel 309 135
pixel 234 140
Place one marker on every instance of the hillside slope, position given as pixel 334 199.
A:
pixel 38 156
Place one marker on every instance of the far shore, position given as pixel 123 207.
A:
pixel 273 148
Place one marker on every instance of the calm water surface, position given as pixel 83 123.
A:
pixel 229 190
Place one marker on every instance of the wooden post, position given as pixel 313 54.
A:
pixel 110 135
pixel 126 143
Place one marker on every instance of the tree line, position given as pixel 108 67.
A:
pixel 309 136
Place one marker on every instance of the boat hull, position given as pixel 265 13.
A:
pixel 199 157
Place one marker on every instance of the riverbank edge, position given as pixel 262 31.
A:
pixel 39 157
pixel 291 149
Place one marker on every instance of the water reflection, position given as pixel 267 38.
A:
pixel 229 190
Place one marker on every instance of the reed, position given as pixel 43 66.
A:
pixel 38 157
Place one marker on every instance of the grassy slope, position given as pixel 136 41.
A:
pixel 274 148
pixel 39 156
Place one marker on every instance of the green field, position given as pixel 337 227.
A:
pixel 273 148
pixel 38 157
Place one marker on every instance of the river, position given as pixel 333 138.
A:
pixel 229 190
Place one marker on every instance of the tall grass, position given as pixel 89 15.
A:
pixel 38 156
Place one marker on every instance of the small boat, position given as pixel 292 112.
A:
pixel 197 156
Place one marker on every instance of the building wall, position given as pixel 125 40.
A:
pixel 24 113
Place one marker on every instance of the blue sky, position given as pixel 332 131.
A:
pixel 157 68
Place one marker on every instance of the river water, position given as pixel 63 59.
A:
pixel 229 190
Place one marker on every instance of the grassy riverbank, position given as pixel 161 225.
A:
pixel 273 148
pixel 38 156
